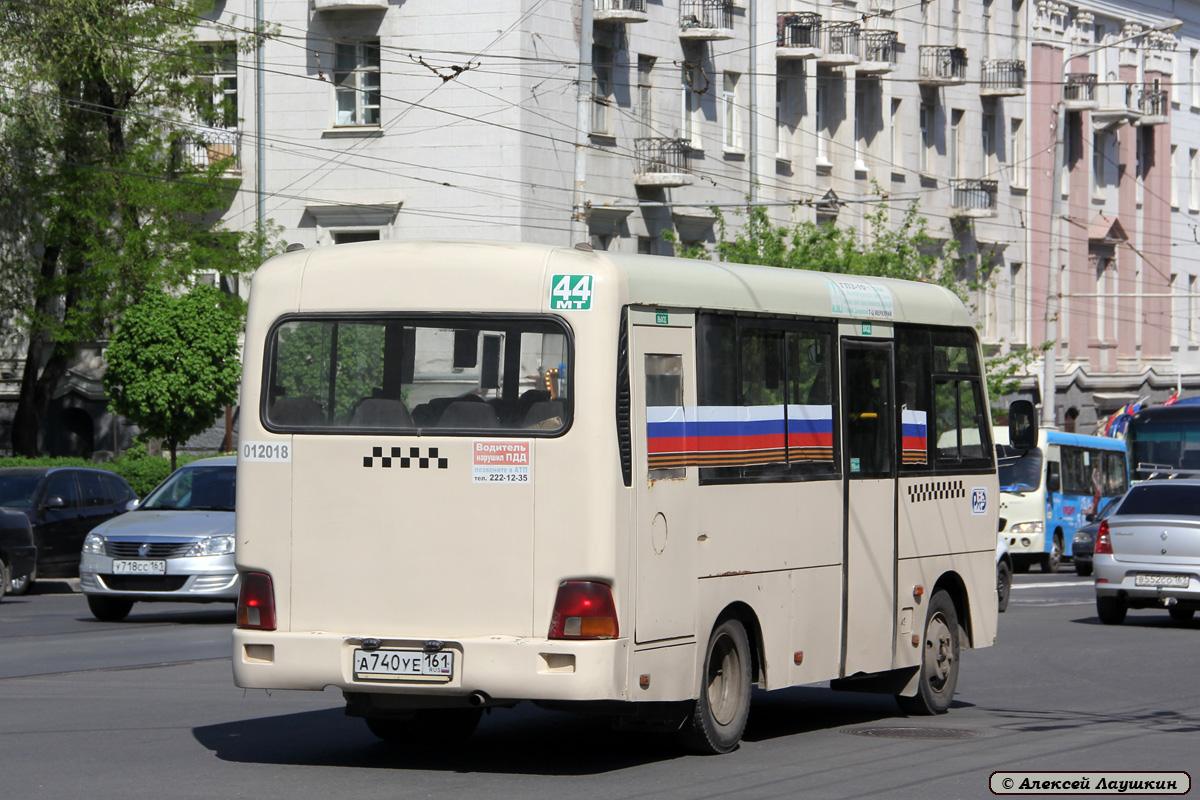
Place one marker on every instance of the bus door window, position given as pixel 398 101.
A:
pixel 664 392
pixel 867 401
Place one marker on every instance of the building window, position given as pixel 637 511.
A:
pixel 895 147
pixel 730 133
pixel 1016 40
pixel 781 118
pixel 1016 152
pixel 1016 304
pixel 988 131
pixel 1176 309
pixel 645 108
pixel 356 83
pixel 926 123
pixel 692 84
pixel 349 237
pixel 1174 176
pixel 1190 310
pixel 822 145
pixel 1194 72
pixel 987 28
pixel 955 144
pixel 220 109
pixel 1100 156
pixel 1194 180
pixel 1104 292
pixel 601 88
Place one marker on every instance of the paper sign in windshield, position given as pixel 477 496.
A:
pixel 501 461
pixel 859 299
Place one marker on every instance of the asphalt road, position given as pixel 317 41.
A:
pixel 146 708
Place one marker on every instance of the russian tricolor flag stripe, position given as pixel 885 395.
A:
pixel 914 442
pixel 738 435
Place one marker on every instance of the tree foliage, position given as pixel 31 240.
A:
pixel 905 250
pixel 173 364
pixel 114 181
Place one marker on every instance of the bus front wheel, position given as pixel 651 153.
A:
pixel 938 675
pixel 1052 560
pixel 719 716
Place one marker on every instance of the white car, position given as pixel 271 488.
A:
pixel 1004 572
pixel 176 546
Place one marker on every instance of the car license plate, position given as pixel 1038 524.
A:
pixel 140 567
pixel 403 665
pixel 1171 581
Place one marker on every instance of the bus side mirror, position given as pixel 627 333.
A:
pixel 1052 483
pixel 1022 432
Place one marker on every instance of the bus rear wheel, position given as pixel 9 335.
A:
pixel 718 718
pixel 938 674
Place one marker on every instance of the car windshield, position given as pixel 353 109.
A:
pixel 1019 471
pixel 208 488
pixel 1158 499
pixel 17 491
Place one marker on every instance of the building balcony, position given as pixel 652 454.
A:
pixel 942 65
pixel 1079 92
pixel 710 20
pixel 350 5
pixel 1115 106
pixel 878 52
pixel 974 197
pixel 209 147
pixel 839 44
pixel 798 35
pixel 1002 78
pixel 619 11
pixel 1154 106
pixel 661 162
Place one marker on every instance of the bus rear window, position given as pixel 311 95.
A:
pixel 451 374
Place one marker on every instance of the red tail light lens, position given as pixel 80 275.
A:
pixel 1103 542
pixel 584 610
pixel 256 602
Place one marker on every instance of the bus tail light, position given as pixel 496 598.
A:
pixel 583 610
pixel 1103 541
pixel 256 602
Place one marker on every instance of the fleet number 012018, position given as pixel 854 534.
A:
pixel 266 451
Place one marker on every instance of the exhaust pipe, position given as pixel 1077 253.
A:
pixel 1170 601
pixel 478 699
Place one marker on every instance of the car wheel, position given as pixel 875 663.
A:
pixel 109 609
pixel 1111 610
pixel 4 580
pixel 1052 560
pixel 1083 568
pixel 1003 585
pixel 1181 614
pixel 719 714
pixel 427 726
pixel 938 674
pixel 21 585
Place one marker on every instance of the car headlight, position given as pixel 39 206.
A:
pixel 94 544
pixel 1028 527
pixel 212 546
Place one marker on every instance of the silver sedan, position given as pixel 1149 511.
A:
pixel 1148 552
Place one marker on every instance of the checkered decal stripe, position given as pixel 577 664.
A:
pixel 412 459
pixel 935 490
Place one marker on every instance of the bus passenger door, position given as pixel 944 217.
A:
pixel 869 566
pixel 662 380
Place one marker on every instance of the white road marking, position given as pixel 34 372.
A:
pixel 1051 585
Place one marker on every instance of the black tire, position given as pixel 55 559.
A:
pixel 1083 568
pixel 1003 585
pixel 1183 615
pixel 4 579
pixel 427 727
pixel 938 674
pixel 109 609
pixel 1053 560
pixel 719 715
pixel 1111 610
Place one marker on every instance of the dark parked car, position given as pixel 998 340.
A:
pixel 1084 543
pixel 18 555
pixel 62 504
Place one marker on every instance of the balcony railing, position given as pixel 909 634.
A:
pixel 974 196
pixel 839 43
pixel 878 51
pixel 1153 103
pixel 942 64
pixel 706 19
pixel 661 162
pixel 1079 91
pixel 799 33
pixel 206 148
pixel 1003 78
pixel 619 10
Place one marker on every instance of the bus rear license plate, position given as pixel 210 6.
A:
pixel 402 665
pixel 139 567
pixel 1170 581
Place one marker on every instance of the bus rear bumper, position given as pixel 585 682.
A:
pixel 501 667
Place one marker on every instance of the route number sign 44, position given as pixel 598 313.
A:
pixel 571 293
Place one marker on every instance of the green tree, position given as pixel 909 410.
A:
pixel 173 364
pixel 905 250
pixel 112 180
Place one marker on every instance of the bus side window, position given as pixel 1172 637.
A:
pixel 664 390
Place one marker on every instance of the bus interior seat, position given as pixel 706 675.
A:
pixel 545 414
pixel 468 414
pixel 528 399
pixel 381 412
pixel 297 411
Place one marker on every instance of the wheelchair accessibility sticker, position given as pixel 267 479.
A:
pixel 979 501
